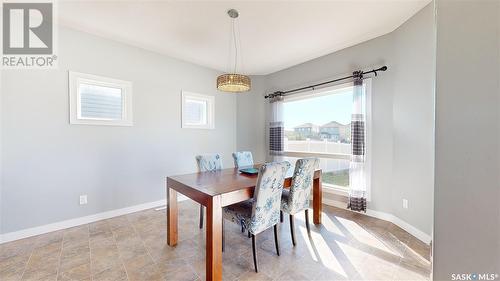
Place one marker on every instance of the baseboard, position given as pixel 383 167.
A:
pixel 422 236
pixel 25 233
pixel 28 232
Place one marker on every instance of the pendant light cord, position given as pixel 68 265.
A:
pixel 235 46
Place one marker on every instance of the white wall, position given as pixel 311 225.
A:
pixel 47 163
pixel 467 179
pixel 402 111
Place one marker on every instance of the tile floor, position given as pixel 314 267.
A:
pixel 133 247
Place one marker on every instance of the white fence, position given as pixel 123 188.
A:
pixel 316 146
pixel 323 147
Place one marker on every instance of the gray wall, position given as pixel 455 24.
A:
pixel 251 120
pixel 123 166
pixel 47 163
pixel 402 110
pixel 467 213
pixel 1 157
pixel 413 119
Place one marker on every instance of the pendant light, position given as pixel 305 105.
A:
pixel 233 82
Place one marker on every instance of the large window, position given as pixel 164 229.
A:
pixel 318 124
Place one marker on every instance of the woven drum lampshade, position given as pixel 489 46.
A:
pixel 234 83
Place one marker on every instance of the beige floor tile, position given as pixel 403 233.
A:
pixel 74 257
pixel 418 248
pixel 148 272
pixel 19 247
pixel 293 274
pixel 49 238
pixel 347 246
pixel 328 274
pixel 177 269
pixel 104 258
pixel 253 276
pixel 79 272
pixel 41 273
pixel 114 273
pixel 419 266
pixel 129 253
pixel 13 268
pixel 98 226
pixel 138 262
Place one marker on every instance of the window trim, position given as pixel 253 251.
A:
pixel 210 100
pixel 77 78
pixel 315 94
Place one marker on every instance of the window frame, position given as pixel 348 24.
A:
pixel 210 110
pixel 77 78
pixel 332 188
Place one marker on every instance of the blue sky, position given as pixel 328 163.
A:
pixel 319 110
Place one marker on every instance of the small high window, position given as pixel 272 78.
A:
pixel 197 111
pixel 97 100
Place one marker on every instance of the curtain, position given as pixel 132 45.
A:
pixel 276 127
pixel 357 176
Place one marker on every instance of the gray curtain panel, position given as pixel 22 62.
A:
pixel 276 127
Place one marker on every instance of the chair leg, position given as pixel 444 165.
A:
pixel 254 249
pixel 307 222
pixel 201 216
pixel 292 230
pixel 276 242
pixel 223 240
pixel 281 216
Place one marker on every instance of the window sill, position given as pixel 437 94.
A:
pixel 316 154
pixel 335 189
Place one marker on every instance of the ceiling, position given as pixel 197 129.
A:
pixel 274 35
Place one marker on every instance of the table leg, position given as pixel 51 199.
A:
pixel 317 199
pixel 214 239
pixel 172 216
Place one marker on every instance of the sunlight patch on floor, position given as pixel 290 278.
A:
pixel 330 226
pixel 325 254
pixel 360 234
pixel 310 248
pixel 414 254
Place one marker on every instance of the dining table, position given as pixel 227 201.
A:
pixel 215 190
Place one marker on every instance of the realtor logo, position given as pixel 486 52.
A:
pixel 28 35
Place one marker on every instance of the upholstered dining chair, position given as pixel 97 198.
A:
pixel 296 199
pixel 208 163
pixel 242 158
pixel 263 210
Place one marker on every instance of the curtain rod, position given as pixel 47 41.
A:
pixel 358 73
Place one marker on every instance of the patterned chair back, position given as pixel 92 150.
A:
pixel 242 158
pixel 267 196
pixel 302 181
pixel 209 162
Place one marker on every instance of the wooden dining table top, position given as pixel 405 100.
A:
pixel 218 182
pixel 222 182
